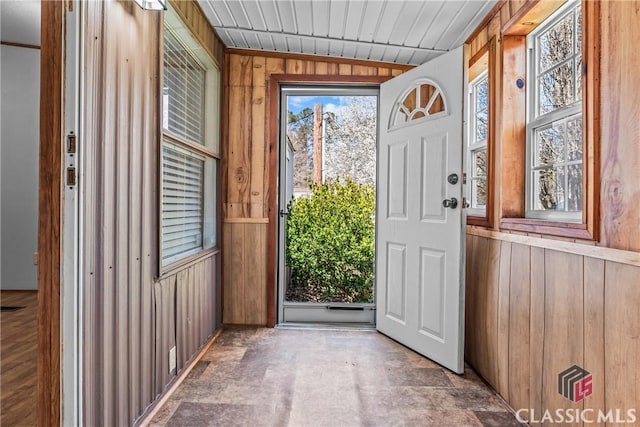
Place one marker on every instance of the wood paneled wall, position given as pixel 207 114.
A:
pixel 194 18
pixel 533 311
pixel 536 306
pixel 249 193
pixel 131 318
pixel 620 127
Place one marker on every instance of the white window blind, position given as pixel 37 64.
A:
pixel 188 166
pixel 182 202
pixel 184 84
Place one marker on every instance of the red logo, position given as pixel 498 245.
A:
pixel 575 383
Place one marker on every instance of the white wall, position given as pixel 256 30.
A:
pixel 19 123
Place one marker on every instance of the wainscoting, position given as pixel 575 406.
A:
pixel 535 307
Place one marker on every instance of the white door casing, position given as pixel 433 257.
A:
pixel 419 242
pixel 71 289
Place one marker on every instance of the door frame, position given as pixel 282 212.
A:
pixel 50 210
pixel 315 312
pixel 273 120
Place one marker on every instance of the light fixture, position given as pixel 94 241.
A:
pixel 152 4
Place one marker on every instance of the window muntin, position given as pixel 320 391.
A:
pixel 423 100
pixel 189 173
pixel 477 147
pixel 554 127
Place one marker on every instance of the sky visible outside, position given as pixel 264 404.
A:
pixel 333 104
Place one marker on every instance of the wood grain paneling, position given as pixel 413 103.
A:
pixel 564 323
pixel 621 335
pixel 196 21
pixel 519 318
pixel 245 261
pixel 512 130
pixel 249 193
pixel 620 136
pixel 554 309
pixel 49 211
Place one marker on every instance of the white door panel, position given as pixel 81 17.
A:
pixel 419 278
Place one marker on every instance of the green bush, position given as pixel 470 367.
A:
pixel 330 242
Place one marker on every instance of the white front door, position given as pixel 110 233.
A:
pixel 419 267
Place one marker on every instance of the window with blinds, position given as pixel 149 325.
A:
pixel 188 165
pixel 182 202
pixel 184 82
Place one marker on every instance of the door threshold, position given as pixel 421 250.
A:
pixel 367 327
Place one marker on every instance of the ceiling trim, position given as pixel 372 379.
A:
pixel 330 39
pixel 321 58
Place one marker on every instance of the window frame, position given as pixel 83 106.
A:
pixel 486 58
pixel 473 145
pixel 536 121
pixel 209 150
pixel 511 62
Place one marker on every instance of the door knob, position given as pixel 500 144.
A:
pixel 450 203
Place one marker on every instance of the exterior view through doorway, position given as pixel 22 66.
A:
pixel 327 199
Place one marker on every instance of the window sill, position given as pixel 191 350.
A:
pixel 179 265
pixel 570 230
pixel 479 221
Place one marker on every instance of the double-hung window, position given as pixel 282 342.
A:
pixel 477 159
pixel 554 180
pixel 189 160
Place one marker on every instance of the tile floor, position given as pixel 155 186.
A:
pixel 305 377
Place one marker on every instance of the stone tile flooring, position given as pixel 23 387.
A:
pixel 307 377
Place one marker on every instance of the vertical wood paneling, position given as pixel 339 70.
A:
pixel 556 309
pixel 503 318
pixel 620 136
pixel 255 273
pixel 49 215
pixel 621 336
pixel 594 340
pixel 564 321
pixel 519 312
pixel 192 15
pixel 536 329
pixel 130 320
pixel 247 166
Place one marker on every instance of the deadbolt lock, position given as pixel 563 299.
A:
pixel 453 178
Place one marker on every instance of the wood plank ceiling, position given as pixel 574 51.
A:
pixel 400 31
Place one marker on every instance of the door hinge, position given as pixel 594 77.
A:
pixel 71 143
pixel 72 179
pixel 72 148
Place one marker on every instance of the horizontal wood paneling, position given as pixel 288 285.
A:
pixel 248 168
pixel 550 310
pixel 131 318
